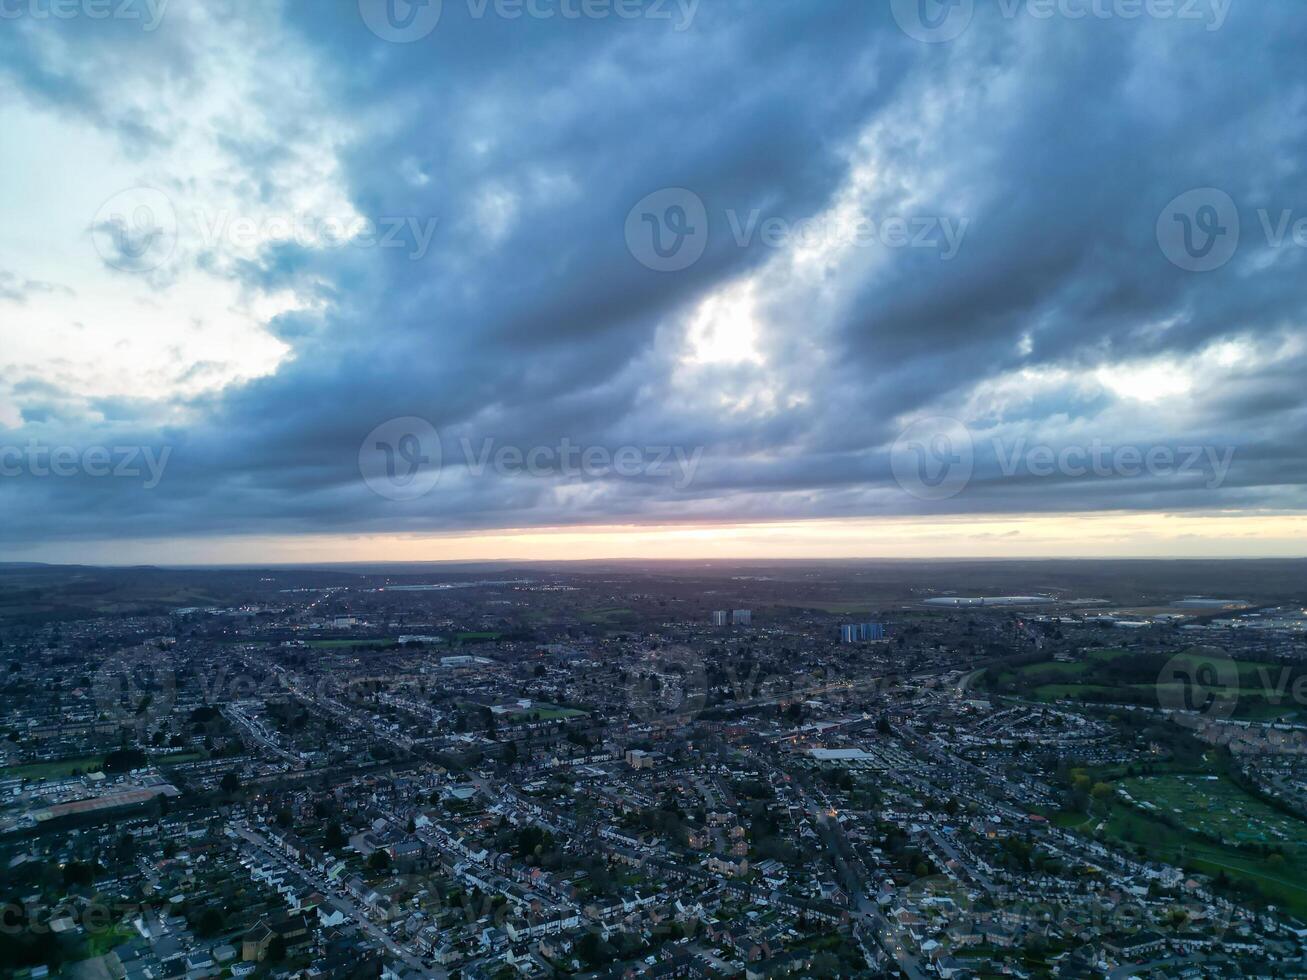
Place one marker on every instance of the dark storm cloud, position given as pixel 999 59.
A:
pixel 1109 121
pixel 527 321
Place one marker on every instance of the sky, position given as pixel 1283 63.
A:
pixel 369 279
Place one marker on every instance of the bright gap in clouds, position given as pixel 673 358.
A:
pixel 724 327
pixel 1148 382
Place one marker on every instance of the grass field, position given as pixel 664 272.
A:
pixel 1216 807
pixel 1105 653
pixel 101 941
pixel 1264 692
pixel 1284 886
pixel 62 768
pixel 1058 692
pixel 57 769
pixel 1253 674
pixel 547 712
pixel 1067 670
pixel 554 714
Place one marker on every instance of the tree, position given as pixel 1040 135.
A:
pixel 277 949
pixel 78 873
pixel 825 964
pixel 230 783
pixel 211 922
pixel 590 948
pixel 1101 795
pixel 379 860
pixel 124 760
pixel 333 838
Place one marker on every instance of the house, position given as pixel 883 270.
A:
pixel 554 947
pixel 812 910
pixel 752 948
pixel 1136 947
pixel 735 867
pixel 328 917
pixel 255 942
pixel 409 855
pixel 201 959
pixel 795 963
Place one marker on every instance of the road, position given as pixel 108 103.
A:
pixel 329 892
pixel 888 934
pixel 235 713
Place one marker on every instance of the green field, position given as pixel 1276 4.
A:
pixel 1058 668
pixel 1121 676
pixel 1059 692
pixel 547 712
pixel 1283 886
pixel 1215 806
pixel 554 714
pixel 62 768
pixel 1055 672
pixel 1253 674
pixel 1189 809
pixel 57 769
